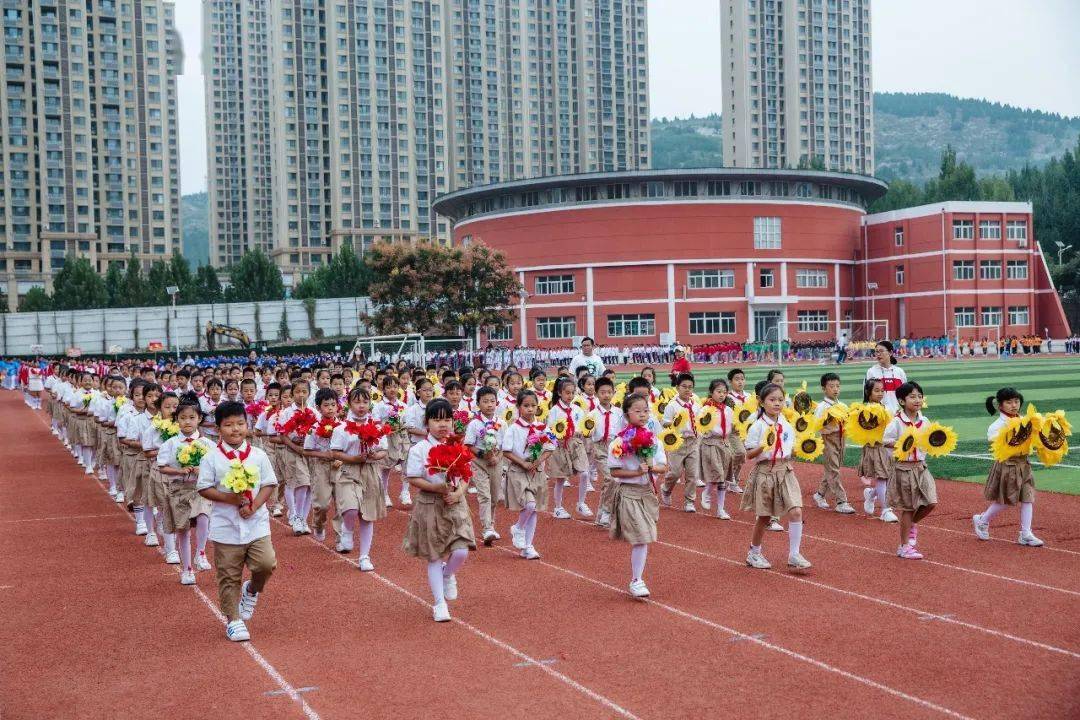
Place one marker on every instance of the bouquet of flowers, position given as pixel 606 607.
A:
pixel 241 479
pixel 461 421
pixel 119 402
pixel 255 409
pixel 489 441
pixel 393 419
pixel 86 399
pixel 325 427
pixel 537 442
pixel 637 441
pixel 368 432
pixel 451 459
pixel 299 423
pixel 166 428
pixel 191 454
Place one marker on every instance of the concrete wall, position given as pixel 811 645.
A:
pixel 132 329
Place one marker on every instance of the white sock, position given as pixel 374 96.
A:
pixel 794 537
pixel 558 492
pixel 530 528
pixel 290 500
pixel 1027 512
pixel 435 580
pixel 755 548
pixel 638 553
pixel 582 487
pixel 879 492
pixel 148 518
pixel 170 543
pixel 721 495
pixel 454 562
pixel 991 511
pixel 367 532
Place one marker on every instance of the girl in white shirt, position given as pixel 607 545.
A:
pixel 183 505
pixel 889 373
pixel 773 490
pixel 397 442
pixel 569 459
pixel 440 524
pixel 716 455
pixel 911 487
pixel 1010 482
pixel 526 481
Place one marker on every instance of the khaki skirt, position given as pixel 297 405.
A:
pixel 1010 482
pixel 772 490
pixel 567 460
pixel 522 488
pixel 716 457
pixel 295 466
pixel 357 487
pixel 158 487
pixel 110 449
pixel 140 481
pixel 635 511
pixel 437 529
pixel 128 458
pixel 875 462
pixel 911 486
pixel 183 506
pixel 85 430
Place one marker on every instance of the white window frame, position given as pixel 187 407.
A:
pixel 990 315
pixel 965 265
pixel 964 317
pixel 767 233
pixel 716 322
pixel 989 229
pixel 1016 229
pixel 899 274
pixel 706 279
pixel 554 285
pixel 556 328
pixel 501 332
pixel 812 321
pixel 766 273
pixel 631 325
pixel 1016 269
pixel 811 278
pixel 963 229
pixel 989 269
pixel 898 236
pixel 1019 315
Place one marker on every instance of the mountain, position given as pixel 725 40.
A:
pixel 195 222
pixel 911 130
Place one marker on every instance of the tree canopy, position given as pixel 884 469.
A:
pixel 254 279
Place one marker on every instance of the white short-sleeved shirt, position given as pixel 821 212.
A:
pixel 344 441
pixel 725 419
pixel 414 416
pixel 630 461
pixel 208 406
pixel 995 427
pixel 385 408
pixel 166 456
pixel 416 464
pixel 136 425
pixel 692 409
pixel 896 428
pixel 226 525
pixel 516 436
pixel 562 412
pixel 266 421
pixel 756 434
pixel 478 426
pixel 614 421
pixel 151 437
pixel 891 378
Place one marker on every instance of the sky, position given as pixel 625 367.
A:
pixel 1020 53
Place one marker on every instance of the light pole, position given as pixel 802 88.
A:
pixel 872 286
pixel 173 290
pixel 1062 247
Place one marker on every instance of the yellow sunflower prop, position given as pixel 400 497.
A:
pixel 376 396
pixel 658 408
pixel 706 420
pixel 580 401
pixel 790 414
pixel 809 447
pixel 801 400
pixel 744 427
pixel 587 426
pixel 1050 442
pixel 618 398
pixel 937 440
pixel 906 443
pixel 550 385
pixel 542 412
pixel 679 420
pixel 805 424
pixel 838 411
pixel 559 427
pixel 508 414
pixel 671 439
pixel 742 413
pixel 866 423
pixel 669 393
pixel 768 438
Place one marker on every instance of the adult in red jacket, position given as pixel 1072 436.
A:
pixel 680 365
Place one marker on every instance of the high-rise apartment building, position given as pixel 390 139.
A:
pixel 796 84
pixel 375 107
pixel 89 157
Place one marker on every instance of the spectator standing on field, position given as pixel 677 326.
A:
pixel 587 359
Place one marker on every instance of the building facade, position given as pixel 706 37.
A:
pixel 378 106
pixel 89 156
pixel 796 84
pixel 708 256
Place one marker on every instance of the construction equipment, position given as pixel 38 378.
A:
pixel 214 329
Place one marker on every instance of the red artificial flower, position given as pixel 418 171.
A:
pixel 452 459
pixel 642 438
pixel 461 421
pixel 299 423
pixel 255 409
pixel 325 427
pixel 368 432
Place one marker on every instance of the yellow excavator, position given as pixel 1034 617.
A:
pixel 214 329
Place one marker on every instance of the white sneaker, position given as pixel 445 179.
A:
pixel 774 525
pixel 734 488
pixel 583 510
pixel 406 498
pixel 638 589
pixel 172 558
pixel 89 471
pixel 278 510
pixel 869 499
pixel 319 535
pixel 1028 538
pixel 472 490
pixel 589 486
pixel 530 553
pixel 449 584
pixel 722 514
pixel 560 514
pixel 490 536
pixel 757 561
pixel 151 539
pixel 237 631
pixel 201 563
pixel 345 543
pixel 798 562
pixel 387 501
pixel 820 501
pixel 305 529
pixel 441 612
pixel 845 509
pixel 187 578
pixel 706 500
pixel 604 520
pixel 887 515
pixel 365 565
pixel 982 529
pixel 699 483
pixel 297 528
pixel 689 506
pixel 247 601
pixel 566 483
pixel 140 526
pixel 517 536
pixel 118 496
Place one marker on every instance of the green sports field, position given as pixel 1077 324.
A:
pixel 956 391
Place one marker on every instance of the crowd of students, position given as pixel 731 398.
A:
pixel 209 455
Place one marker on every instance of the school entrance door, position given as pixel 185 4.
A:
pixel 767 325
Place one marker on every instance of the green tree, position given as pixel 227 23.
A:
pixel 114 284
pixel 133 292
pixel 346 275
pixel 254 278
pixel 183 279
pixel 78 287
pixel 157 279
pixel 35 300
pixel 207 285
pixel 996 188
pixel 956 180
pixel 901 194
pixel 479 288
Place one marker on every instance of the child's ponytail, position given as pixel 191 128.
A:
pixel 990 409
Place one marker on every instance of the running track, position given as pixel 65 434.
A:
pixel 96 626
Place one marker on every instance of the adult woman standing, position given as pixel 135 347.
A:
pixel 888 372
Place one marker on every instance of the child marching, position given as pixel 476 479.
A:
pixel 911 487
pixel 867 423
pixel 484 436
pixel 526 446
pixel 832 433
pixel 716 421
pixel 569 459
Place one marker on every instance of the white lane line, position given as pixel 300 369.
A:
pixel 284 685
pixel 757 640
pixel 525 658
pixel 970 534
pixel 61 517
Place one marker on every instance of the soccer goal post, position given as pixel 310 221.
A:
pixel 852 332
pixel 971 338
pixel 393 347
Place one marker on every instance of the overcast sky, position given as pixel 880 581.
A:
pixel 1020 53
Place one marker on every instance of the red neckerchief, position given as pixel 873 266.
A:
pixel 538 427
pixel 607 422
pixel 741 397
pixel 690 409
pixel 468 404
pixel 569 412
pixel 916 425
pixel 720 408
pixel 592 402
pixel 235 454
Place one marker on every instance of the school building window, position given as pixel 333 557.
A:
pixel 898 236
pixel 766 233
pixel 554 284
pixel 989 269
pixel 1016 230
pixel 963 270
pixel 813 320
pixel 712 323
pixel 1017 269
pixel 964 316
pixel 963 229
pixel 710 279
pixel 767 279
pixel 811 279
pixel 899 274
pixel 1018 315
pixel 991 316
pixel 989 229
pixel 501 332
pixel 686 188
pixel 556 328
pixel 631 325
